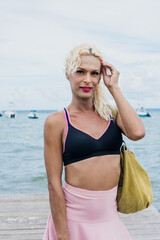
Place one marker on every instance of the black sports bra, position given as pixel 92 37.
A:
pixel 80 145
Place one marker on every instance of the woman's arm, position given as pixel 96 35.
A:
pixel 127 118
pixel 54 167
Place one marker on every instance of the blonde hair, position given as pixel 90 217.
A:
pixel 100 100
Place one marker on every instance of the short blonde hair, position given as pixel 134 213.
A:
pixel 100 99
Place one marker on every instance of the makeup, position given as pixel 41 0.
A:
pixel 86 89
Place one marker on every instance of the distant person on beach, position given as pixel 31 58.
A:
pixel 86 138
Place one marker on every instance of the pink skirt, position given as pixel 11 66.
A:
pixel 91 215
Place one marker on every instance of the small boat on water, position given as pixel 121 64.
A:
pixel 1 114
pixel 33 114
pixel 142 112
pixel 11 112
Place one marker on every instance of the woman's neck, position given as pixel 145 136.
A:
pixel 82 105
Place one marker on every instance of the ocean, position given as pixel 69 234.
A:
pixel 22 168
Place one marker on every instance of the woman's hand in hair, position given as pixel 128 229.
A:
pixel 110 80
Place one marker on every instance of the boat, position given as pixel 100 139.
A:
pixel 11 112
pixel 1 114
pixel 141 111
pixel 33 114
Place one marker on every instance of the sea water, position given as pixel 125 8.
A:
pixel 22 167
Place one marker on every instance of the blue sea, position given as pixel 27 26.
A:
pixel 22 168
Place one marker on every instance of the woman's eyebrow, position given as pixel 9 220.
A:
pixel 85 69
pixel 80 68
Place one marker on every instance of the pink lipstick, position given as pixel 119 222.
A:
pixel 86 89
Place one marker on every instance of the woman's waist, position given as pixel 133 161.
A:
pixel 94 174
pixel 89 205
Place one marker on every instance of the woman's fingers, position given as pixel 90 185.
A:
pixel 104 70
pixel 110 66
pixel 107 64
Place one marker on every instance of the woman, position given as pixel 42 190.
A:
pixel 86 138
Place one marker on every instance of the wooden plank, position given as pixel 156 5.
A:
pixel 21 237
pixel 22 197
pixel 143 225
pixel 24 216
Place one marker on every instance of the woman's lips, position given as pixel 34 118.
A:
pixel 86 89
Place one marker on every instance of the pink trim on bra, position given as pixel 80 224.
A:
pixel 66 132
pixel 87 133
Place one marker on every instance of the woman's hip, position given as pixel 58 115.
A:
pixel 84 205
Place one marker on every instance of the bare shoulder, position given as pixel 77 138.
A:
pixel 54 123
pixel 54 119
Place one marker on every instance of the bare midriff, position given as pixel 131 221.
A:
pixel 96 173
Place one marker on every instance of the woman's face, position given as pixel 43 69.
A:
pixel 86 77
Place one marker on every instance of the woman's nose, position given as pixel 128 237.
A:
pixel 87 78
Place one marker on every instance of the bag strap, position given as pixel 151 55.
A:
pixel 124 143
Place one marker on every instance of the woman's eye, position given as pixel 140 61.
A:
pixel 80 71
pixel 95 73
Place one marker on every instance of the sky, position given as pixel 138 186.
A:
pixel 37 35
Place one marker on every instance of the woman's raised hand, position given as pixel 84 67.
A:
pixel 111 81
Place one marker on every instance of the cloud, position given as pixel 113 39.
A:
pixel 36 37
